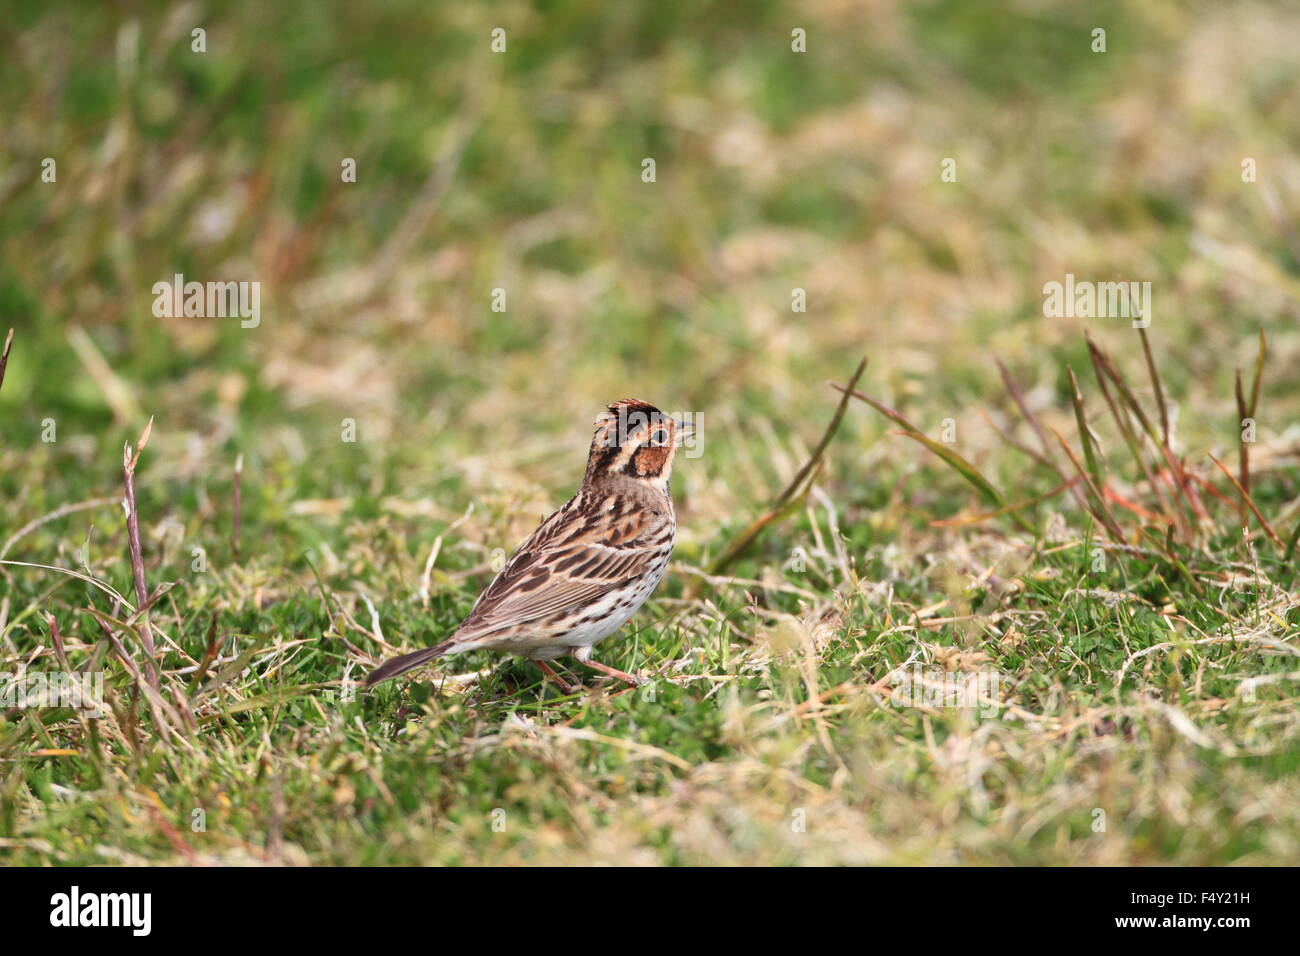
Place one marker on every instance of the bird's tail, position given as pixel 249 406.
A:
pixel 406 662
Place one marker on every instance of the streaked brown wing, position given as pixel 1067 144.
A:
pixel 577 555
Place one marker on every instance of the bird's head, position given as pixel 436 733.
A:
pixel 633 440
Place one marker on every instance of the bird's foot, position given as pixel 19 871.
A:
pixel 560 682
pixel 628 679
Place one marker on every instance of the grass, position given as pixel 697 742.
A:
pixel 1141 647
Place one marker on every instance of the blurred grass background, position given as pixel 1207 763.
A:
pixel 522 171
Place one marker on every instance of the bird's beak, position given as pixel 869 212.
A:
pixel 687 427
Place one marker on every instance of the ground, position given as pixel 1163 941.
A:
pixel 395 436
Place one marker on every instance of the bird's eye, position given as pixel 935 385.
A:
pixel 660 437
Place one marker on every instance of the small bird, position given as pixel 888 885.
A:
pixel 588 567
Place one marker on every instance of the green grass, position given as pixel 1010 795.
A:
pixel 1145 715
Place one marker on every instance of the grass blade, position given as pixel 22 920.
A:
pixel 1243 447
pixel 1172 464
pixel 793 494
pixel 1245 411
pixel 831 429
pixel 953 460
pixel 1098 509
pixel 1090 451
pixel 1250 502
pixel 1156 386
pixel 1125 425
pixel 4 355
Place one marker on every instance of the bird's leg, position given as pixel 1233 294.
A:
pixel 606 669
pixel 550 672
